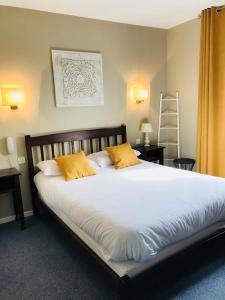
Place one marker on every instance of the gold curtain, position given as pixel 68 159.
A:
pixel 211 107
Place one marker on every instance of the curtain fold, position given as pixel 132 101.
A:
pixel 211 106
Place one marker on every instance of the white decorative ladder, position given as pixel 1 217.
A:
pixel 168 126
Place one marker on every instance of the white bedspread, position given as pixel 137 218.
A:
pixel 132 213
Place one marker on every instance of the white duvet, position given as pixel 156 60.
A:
pixel 134 212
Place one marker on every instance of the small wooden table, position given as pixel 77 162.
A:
pixel 9 182
pixel 152 153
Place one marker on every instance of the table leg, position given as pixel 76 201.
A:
pixel 161 160
pixel 15 205
pixel 19 202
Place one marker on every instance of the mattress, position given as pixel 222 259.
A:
pixel 133 214
pixel 132 268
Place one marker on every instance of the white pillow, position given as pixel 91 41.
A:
pixel 93 164
pixel 50 167
pixel 102 158
pixel 136 152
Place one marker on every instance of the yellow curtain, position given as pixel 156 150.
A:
pixel 211 107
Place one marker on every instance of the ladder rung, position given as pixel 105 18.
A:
pixel 168 110
pixel 168 143
pixel 168 127
pixel 169 158
pixel 168 113
pixel 169 99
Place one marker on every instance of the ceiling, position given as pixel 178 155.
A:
pixel 152 13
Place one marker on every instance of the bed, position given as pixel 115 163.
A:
pixel 131 219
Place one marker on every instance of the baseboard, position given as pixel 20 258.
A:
pixel 12 218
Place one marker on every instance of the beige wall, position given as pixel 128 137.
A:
pixel 129 53
pixel 182 74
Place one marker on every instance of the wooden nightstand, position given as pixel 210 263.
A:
pixel 152 153
pixel 9 182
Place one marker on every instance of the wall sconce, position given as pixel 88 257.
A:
pixel 139 94
pixel 11 97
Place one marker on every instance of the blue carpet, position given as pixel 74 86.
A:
pixel 42 262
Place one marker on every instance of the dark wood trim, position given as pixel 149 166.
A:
pixel 17 198
pixel 10 172
pixel 9 182
pixel 78 135
pixel 125 283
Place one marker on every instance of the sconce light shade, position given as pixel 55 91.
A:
pixel 11 97
pixel 10 145
pixel 139 94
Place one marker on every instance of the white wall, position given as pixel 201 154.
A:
pixel 130 53
pixel 182 74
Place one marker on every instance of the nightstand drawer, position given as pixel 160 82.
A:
pixel 149 158
pixel 152 153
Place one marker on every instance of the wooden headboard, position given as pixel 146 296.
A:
pixel 48 146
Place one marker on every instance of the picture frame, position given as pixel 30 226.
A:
pixel 78 78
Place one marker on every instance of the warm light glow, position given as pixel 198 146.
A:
pixel 143 93
pixel 11 97
pixel 138 93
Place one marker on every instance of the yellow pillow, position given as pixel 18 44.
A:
pixel 122 156
pixel 74 166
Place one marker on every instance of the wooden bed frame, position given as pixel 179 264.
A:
pixel 90 140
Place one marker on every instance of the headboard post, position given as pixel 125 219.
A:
pixel 124 133
pixel 31 173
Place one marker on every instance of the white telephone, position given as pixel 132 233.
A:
pixel 10 145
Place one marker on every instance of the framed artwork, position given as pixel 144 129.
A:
pixel 78 79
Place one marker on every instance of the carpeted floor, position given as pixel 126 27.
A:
pixel 42 262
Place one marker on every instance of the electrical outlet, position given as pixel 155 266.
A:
pixel 138 141
pixel 21 160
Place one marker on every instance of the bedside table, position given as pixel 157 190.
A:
pixel 152 153
pixel 9 182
